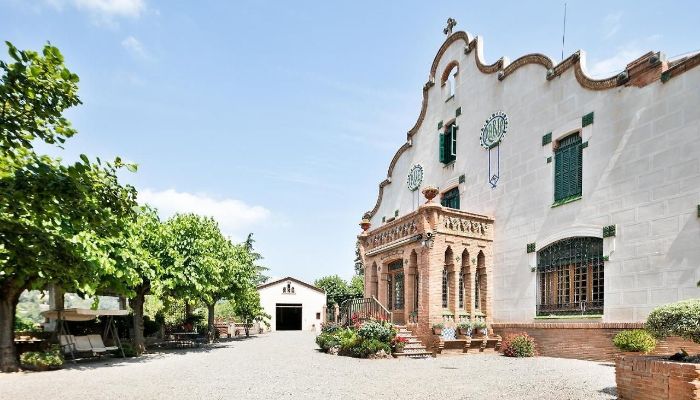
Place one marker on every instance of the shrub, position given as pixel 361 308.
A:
pixel 676 319
pixel 381 331
pixel 326 340
pixel 519 345
pixel 330 327
pixel 439 325
pixel 478 324
pixel 366 348
pixel 634 340
pixel 129 351
pixel 23 324
pixel 42 359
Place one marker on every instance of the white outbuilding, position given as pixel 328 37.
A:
pixel 293 305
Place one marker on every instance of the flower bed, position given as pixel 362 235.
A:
pixel 368 339
pixel 42 360
pixel 518 345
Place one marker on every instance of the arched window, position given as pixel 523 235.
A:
pixel 570 277
pixel 445 288
pixel 461 289
pixel 476 290
pixel 449 80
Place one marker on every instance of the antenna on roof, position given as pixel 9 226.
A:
pixel 563 36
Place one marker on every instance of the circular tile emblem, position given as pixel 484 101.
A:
pixel 415 177
pixel 494 129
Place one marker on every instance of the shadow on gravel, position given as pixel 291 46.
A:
pixel 612 390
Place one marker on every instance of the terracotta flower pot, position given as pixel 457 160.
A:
pixel 365 224
pixel 430 192
pixel 437 331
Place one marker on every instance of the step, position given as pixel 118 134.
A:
pixel 417 354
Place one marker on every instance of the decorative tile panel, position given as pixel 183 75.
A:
pixel 609 231
pixel 547 139
pixel 531 247
pixel 587 119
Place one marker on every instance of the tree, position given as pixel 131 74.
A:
pixel 359 265
pixel 356 288
pixel 207 271
pixel 260 270
pixel 337 290
pixel 59 223
pixel 154 261
pixel 248 308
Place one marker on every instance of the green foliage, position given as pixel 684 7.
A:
pixel 369 338
pixel 59 223
pixel 129 351
pixel 42 359
pixel 635 340
pixel 337 290
pixel 379 330
pixel 356 289
pixel 676 319
pixel 23 324
pixel 35 90
pixel 478 324
pixel 439 325
pixel 248 307
pixel 225 310
pixel 464 325
pixel 518 345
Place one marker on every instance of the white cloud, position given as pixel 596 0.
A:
pixel 235 217
pixel 612 65
pixel 612 24
pixel 135 47
pixel 112 8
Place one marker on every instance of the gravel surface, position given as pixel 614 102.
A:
pixel 287 365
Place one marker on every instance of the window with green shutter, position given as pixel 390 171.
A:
pixel 448 144
pixel 568 168
pixel 450 198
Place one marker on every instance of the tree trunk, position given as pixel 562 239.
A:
pixel 188 309
pixel 8 307
pixel 247 328
pixel 137 305
pixel 210 322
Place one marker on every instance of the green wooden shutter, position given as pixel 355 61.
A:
pixel 441 145
pixel 576 169
pixel 558 175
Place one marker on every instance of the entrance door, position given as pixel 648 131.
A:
pixel 288 317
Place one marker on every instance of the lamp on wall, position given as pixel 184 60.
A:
pixel 427 239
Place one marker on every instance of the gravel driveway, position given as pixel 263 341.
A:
pixel 287 365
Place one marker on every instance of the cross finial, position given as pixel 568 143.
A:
pixel 451 22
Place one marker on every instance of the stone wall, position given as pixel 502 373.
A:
pixel 586 341
pixel 650 378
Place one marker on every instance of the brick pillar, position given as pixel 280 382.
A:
pixel 408 292
pixel 382 290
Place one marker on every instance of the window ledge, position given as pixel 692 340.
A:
pixel 569 316
pixel 566 201
pixel 449 164
pixel 450 98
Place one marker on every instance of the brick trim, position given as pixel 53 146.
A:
pixel 569 325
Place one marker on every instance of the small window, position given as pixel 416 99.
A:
pixel 568 168
pixel 318 315
pixel 445 288
pixel 450 198
pixel 448 144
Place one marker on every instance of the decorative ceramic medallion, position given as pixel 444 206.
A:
pixel 494 130
pixel 415 177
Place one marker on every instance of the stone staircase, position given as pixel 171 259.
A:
pixel 414 348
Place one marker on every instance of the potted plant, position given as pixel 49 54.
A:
pixel 479 328
pixel 42 360
pixel 398 343
pixel 437 328
pixel 465 328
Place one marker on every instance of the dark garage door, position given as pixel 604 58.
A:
pixel 288 317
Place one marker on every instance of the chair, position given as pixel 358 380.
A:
pixel 67 343
pixel 98 345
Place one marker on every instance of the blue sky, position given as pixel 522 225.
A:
pixel 280 118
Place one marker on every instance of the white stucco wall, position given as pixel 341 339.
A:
pixel 312 302
pixel 641 172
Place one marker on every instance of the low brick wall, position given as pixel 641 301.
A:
pixel 653 378
pixel 586 341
